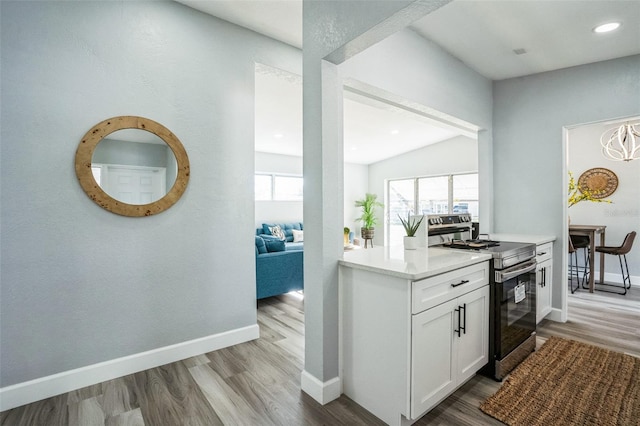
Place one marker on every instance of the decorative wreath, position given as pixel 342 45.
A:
pixel 600 182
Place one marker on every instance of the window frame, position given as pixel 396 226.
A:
pixel 272 194
pixel 416 196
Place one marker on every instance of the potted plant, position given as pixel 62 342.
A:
pixel 368 217
pixel 410 227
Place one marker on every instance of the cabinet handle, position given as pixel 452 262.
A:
pixel 542 253
pixel 464 327
pixel 460 283
pixel 461 328
pixel 544 277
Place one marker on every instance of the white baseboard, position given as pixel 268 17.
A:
pixel 67 381
pixel 617 278
pixel 556 315
pixel 323 392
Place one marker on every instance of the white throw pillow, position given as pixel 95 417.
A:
pixel 298 236
pixel 277 232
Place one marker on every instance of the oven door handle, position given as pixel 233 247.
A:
pixel 448 230
pixel 507 274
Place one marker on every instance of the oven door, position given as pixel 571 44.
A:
pixel 515 306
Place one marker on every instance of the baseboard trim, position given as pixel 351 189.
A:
pixel 67 381
pixel 556 315
pixel 323 392
pixel 617 278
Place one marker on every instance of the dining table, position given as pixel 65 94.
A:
pixel 591 231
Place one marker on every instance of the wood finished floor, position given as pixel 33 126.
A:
pixel 258 382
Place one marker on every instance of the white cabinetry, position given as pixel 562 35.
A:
pixel 449 345
pixel 407 345
pixel 544 270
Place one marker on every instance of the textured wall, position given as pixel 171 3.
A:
pixel 529 157
pixel 81 285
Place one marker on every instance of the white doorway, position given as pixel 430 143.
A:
pixel 131 184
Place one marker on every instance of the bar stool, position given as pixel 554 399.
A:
pixel 573 266
pixel 621 252
pixel 582 242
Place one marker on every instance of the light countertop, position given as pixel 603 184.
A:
pixel 410 264
pixel 522 238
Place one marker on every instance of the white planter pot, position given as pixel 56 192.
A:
pixel 410 243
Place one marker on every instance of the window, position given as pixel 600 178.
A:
pixel 433 195
pixel 287 188
pixel 401 203
pixel 465 194
pixel 278 187
pixel 429 195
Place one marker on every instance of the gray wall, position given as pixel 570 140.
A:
pixel 81 285
pixel 529 155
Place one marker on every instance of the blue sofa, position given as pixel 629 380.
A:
pixel 279 264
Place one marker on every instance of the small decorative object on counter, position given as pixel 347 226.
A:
pixel 410 227
pixel 346 235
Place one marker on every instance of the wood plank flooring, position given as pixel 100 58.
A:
pixel 258 382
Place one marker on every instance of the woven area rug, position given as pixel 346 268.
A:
pixel 569 383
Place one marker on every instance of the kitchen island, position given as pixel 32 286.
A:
pixel 414 327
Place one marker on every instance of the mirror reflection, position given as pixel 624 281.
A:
pixel 134 166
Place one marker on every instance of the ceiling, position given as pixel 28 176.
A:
pixel 373 130
pixel 483 34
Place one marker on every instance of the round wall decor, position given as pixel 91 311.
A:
pixel 599 181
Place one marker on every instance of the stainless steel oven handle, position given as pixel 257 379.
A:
pixel 507 274
pixel 448 230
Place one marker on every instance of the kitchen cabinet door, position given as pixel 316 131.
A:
pixel 473 345
pixel 433 374
pixel 543 290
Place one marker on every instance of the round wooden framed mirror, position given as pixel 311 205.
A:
pixel 97 178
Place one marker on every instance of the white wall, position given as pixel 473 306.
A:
pixel 623 214
pixel 456 155
pixel 81 285
pixel 529 158
pixel 356 185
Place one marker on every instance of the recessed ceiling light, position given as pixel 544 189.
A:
pixel 605 28
pixel 278 135
pixel 394 132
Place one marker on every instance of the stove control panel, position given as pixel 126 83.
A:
pixel 448 219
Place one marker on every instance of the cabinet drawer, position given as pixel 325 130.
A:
pixel 544 252
pixel 436 290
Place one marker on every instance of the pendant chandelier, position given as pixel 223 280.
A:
pixel 621 143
